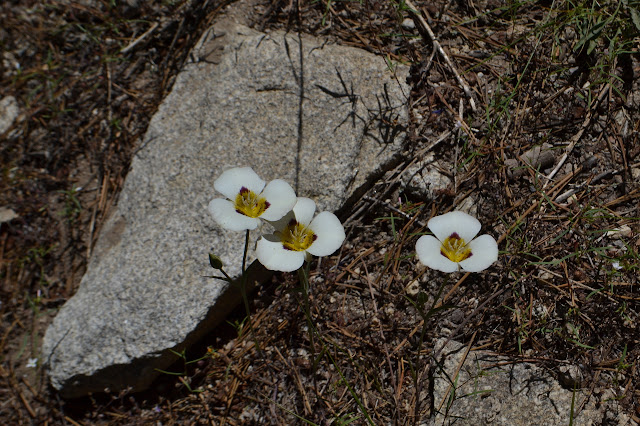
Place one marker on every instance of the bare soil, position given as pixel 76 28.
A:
pixel 88 76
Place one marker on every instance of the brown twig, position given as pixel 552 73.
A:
pixel 11 380
pixel 446 296
pixel 413 10
pixel 139 39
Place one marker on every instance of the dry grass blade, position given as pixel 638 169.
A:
pixel 422 23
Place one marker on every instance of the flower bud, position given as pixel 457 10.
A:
pixel 215 261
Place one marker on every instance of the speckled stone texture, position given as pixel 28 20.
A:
pixel 323 123
pixel 480 388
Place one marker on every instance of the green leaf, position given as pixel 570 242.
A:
pixel 635 17
pixel 591 36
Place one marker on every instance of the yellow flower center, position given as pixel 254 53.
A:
pixel 455 249
pixel 250 204
pixel 297 237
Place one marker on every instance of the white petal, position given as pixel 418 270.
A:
pixel 224 212
pixel 464 225
pixel 428 251
pixel 275 257
pixel 231 181
pixel 484 251
pixel 281 198
pixel 329 232
pixel 304 210
pixel 282 223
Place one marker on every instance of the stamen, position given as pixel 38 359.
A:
pixel 297 237
pixel 250 204
pixel 455 249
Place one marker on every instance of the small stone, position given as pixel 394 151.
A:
pixel 7 215
pixel 457 316
pixel 8 113
pixel 541 311
pixel 539 157
pixel 10 64
pixel 413 288
pixel 618 233
pixel 623 122
pixel 389 310
pixel 570 376
pixel 572 200
pixel 408 24
pixel 544 275
pixel 597 127
pixel 512 165
pixel 469 205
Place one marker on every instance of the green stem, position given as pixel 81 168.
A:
pixel 326 351
pixel 246 249
pixel 431 311
pixel 229 279
pixel 303 274
pixel 243 284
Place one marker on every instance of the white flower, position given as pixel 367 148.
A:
pixel 453 245
pixel 249 200
pixel 297 237
pixel 616 265
pixel 32 362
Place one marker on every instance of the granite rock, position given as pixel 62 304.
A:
pixel 290 106
pixel 479 388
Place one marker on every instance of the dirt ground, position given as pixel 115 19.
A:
pixel 511 76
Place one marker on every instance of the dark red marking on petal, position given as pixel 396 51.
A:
pixel 455 236
pixel 442 253
pixel 244 190
pixel 315 237
pixel 293 222
pixel 266 205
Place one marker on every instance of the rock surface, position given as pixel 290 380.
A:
pixel 537 158
pixel 247 99
pixel 479 388
pixel 423 176
pixel 7 215
pixel 8 113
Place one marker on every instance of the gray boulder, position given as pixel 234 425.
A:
pixel 324 117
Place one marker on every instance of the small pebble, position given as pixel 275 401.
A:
pixel 408 24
